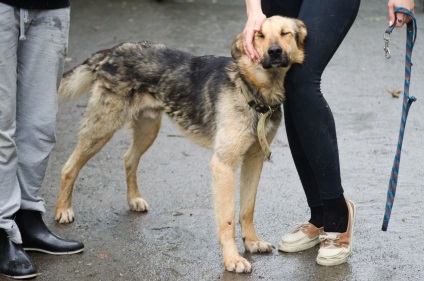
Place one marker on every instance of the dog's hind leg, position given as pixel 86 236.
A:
pixel 249 179
pixel 145 129
pixel 105 114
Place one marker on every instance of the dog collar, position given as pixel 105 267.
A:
pixel 266 112
pixel 261 108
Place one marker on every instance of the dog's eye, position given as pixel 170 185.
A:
pixel 260 35
pixel 283 33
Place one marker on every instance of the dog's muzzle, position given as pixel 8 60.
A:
pixel 274 58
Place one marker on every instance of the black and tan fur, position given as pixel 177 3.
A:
pixel 135 82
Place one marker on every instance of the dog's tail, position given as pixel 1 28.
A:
pixel 80 80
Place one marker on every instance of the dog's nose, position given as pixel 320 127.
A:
pixel 275 51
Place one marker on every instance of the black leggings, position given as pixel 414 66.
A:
pixel 309 122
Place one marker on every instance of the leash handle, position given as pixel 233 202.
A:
pixel 411 34
pixel 389 30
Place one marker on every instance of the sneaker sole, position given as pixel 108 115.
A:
pixel 54 253
pixel 302 247
pixel 28 276
pixel 326 262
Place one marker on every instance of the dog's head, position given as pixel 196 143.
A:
pixel 279 43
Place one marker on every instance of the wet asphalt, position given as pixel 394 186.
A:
pixel 176 239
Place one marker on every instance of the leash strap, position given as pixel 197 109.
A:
pixel 262 136
pixel 266 112
pixel 411 34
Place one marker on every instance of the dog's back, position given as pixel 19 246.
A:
pixel 144 67
pixel 184 86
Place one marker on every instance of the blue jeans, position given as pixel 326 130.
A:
pixel 30 73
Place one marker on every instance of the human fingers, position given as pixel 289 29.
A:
pixel 248 43
pixel 251 48
pixel 401 19
pixel 391 10
pixel 249 34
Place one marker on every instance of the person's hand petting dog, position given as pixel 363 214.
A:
pixel 255 19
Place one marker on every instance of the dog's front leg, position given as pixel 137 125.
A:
pixel 224 185
pixel 249 179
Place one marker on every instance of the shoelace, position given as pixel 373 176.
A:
pixel 331 238
pixel 301 226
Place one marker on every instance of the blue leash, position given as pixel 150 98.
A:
pixel 411 34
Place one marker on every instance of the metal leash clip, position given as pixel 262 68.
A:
pixel 386 45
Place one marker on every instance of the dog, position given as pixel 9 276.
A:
pixel 217 102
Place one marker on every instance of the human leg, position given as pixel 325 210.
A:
pixel 311 116
pixel 305 235
pixel 306 174
pixel 40 67
pixel 14 262
pixel 9 188
pixel 309 121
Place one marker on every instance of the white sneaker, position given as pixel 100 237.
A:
pixel 304 236
pixel 337 247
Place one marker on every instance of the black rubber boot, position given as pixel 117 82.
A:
pixel 37 237
pixel 14 262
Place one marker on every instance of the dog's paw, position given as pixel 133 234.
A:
pixel 259 246
pixel 64 215
pixel 237 264
pixel 138 205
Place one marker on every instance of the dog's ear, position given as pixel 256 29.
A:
pixel 300 35
pixel 237 49
pixel 300 32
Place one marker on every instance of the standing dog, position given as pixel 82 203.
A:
pixel 216 101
